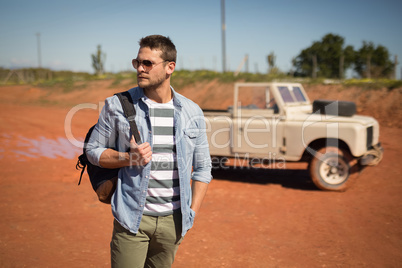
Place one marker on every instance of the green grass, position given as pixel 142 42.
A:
pixel 373 84
pixel 67 80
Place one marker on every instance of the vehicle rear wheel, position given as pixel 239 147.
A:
pixel 333 169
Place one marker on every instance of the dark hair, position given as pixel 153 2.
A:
pixel 162 43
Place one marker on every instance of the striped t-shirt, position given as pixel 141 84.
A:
pixel 163 196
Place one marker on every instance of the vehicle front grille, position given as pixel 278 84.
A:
pixel 369 137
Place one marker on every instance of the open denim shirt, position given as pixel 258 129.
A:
pixel 193 158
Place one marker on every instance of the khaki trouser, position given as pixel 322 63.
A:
pixel 155 244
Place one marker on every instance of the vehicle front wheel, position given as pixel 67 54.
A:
pixel 333 169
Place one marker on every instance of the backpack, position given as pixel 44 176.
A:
pixel 104 180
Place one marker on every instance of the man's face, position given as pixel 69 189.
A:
pixel 154 77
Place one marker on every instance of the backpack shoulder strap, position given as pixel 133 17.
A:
pixel 129 112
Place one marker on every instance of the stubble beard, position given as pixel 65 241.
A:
pixel 151 85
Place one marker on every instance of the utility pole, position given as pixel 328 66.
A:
pixel 39 55
pixel 245 60
pixel 314 74
pixel 223 36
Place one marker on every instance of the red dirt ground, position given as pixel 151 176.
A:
pixel 250 217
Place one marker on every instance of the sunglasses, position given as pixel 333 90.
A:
pixel 147 64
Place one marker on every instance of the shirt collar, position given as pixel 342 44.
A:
pixel 138 93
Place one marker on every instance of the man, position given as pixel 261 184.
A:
pixel 153 205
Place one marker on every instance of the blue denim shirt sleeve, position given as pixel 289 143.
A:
pixel 194 160
pixel 192 140
pixel 201 156
pixel 104 134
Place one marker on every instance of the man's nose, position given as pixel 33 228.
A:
pixel 141 68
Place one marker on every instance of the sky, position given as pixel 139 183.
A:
pixel 70 31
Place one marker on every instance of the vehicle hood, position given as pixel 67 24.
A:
pixel 313 117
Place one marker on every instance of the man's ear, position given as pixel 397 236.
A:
pixel 170 67
pixel 132 62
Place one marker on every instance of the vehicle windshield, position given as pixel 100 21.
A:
pixel 253 97
pixel 291 95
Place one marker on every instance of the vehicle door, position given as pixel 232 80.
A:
pixel 255 122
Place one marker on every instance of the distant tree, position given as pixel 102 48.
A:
pixel 271 61
pixel 325 58
pixel 373 62
pixel 98 61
